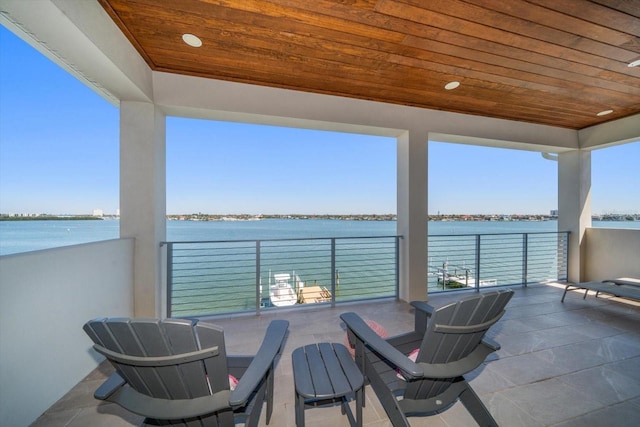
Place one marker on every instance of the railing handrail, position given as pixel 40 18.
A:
pixel 497 234
pixel 279 239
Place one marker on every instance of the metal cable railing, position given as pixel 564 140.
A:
pixel 212 277
pixel 484 260
pixel 215 277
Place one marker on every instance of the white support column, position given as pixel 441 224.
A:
pixel 412 214
pixel 143 199
pixel 574 204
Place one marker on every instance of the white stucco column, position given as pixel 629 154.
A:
pixel 412 214
pixel 574 204
pixel 143 199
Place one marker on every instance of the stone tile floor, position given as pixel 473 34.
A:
pixel 567 364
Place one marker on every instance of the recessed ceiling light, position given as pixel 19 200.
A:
pixel 634 63
pixel 604 113
pixel 192 40
pixel 451 85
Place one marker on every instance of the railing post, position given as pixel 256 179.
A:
pixel 169 276
pixel 333 272
pixel 397 239
pixel 478 262
pixel 565 261
pixel 258 293
pixel 525 258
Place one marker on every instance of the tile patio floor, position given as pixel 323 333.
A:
pixel 572 364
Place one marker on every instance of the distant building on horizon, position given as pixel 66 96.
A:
pixel 98 212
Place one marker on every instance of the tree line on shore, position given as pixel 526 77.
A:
pixel 49 217
pixel 354 217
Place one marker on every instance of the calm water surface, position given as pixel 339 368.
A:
pixel 200 287
pixel 24 236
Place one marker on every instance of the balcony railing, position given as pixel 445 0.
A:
pixel 215 277
pixel 245 275
pixel 482 260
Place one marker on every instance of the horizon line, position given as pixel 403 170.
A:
pixel 195 214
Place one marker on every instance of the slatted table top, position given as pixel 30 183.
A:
pixel 325 371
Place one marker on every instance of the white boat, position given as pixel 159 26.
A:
pixel 281 293
pixel 460 279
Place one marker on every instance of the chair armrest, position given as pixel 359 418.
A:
pixel 110 386
pixel 493 345
pixel 365 334
pixel 423 306
pixel 261 364
pixel 423 313
pixel 410 369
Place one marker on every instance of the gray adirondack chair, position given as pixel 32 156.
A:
pixel 450 342
pixel 176 371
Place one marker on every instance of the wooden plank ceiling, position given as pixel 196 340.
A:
pixel 542 61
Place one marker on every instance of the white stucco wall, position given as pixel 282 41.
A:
pixel 611 253
pixel 45 298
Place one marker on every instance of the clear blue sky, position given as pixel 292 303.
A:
pixel 59 154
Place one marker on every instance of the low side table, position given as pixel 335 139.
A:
pixel 325 373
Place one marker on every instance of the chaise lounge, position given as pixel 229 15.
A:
pixel 622 287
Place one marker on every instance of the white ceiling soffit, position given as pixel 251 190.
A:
pixel 499 143
pixel 611 133
pixel 222 100
pixel 80 37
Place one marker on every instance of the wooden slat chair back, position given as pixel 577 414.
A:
pixel 176 372
pixel 453 332
pixel 450 342
pixel 153 338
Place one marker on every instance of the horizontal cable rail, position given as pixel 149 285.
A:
pixel 215 277
pixel 484 260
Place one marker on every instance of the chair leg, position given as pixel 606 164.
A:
pixel 299 410
pixel 359 405
pixel 388 401
pixel 253 416
pixel 476 408
pixel 269 395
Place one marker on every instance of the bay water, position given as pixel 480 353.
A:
pixel 367 271
pixel 25 236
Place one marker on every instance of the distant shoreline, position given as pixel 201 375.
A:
pixel 355 217
pixel 51 218
pixel 391 217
